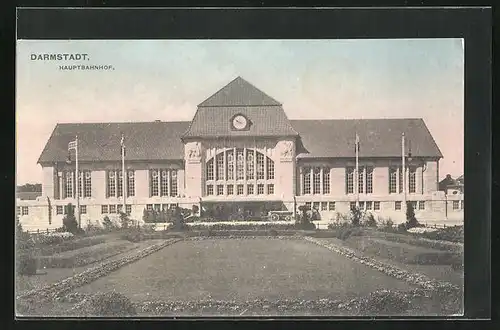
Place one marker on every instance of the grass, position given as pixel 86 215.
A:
pixel 242 270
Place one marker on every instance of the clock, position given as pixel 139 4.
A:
pixel 240 122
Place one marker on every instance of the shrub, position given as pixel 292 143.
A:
pixel 402 227
pixel 124 220
pixel 108 224
pixel 370 221
pixel 69 220
pixel 72 244
pixel 451 234
pixel 26 263
pixel 133 235
pixel 356 216
pixel 345 233
pixel 411 220
pixel 273 232
pixel 109 304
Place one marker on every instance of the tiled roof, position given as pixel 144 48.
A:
pixel 101 141
pixel 264 121
pixel 378 138
pixel 318 138
pixel 239 92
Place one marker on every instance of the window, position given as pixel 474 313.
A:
pixel 369 205
pixel 59 209
pixel 154 183
pixel 24 210
pixel 414 204
pixel 230 166
pixel 324 206
pixel 361 180
pixel 164 182
pixel 130 183
pixel 352 205
pixel 349 180
pixel 210 190
pixel 260 189
pixel 270 189
pixel 397 206
pixel 128 209
pixel 240 165
pixel 401 180
pixel 104 209
pixel 250 165
pixel 230 190
pixel 219 158
pixel 421 205
pixel 87 183
pixel 316 205
pixel 307 180
pixel 317 180
pixel 18 209
pixel 119 208
pixel 331 206
pixel 250 189
pixel 112 209
pixel 83 209
pixel 376 206
pixel 220 189
pixel 164 207
pixel 308 205
pixel 149 207
pixel 239 189
pixel 326 180
pixel 210 169
pixel 120 184
pixel 361 205
pixel 369 180
pixel 157 207
pixel 456 205
pixel 412 179
pixel 393 173
pixel 173 183
pixel 270 169
pixel 260 166
pixel 69 184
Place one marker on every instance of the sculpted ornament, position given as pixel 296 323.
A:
pixel 287 150
pixel 195 151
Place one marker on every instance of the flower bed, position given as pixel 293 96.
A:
pixel 421 241
pixel 242 225
pixel 56 290
pixel 84 256
pixel 412 278
pixel 71 245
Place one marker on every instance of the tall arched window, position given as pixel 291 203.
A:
pixel 232 169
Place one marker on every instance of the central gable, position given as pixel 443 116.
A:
pixel 264 114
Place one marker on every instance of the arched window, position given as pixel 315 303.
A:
pixel 238 167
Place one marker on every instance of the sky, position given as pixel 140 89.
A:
pixel 313 79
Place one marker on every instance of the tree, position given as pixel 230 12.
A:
pixel 356 216
pixel 69 221
pixel 124 220
pixel 411 220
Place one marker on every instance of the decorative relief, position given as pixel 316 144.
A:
pixel 287 151
pixel 194 153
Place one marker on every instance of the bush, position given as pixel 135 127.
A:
pixel 370 221
pixel 124 220
pixel 356 216
pixel 26 263
pixel 108 304
pixel 345 233
pixel 72 245
pixel 69 221
pixel 108 224
pixel 411 220
pixel 133 235
pixel 402 227
pixel 273 232
pixel 451 234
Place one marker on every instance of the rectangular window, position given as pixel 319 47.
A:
pixel 87 184
pixel 270 189
pixel 210 190
pixel 456 205
pixel 307 180
pixel 412 180
pixel 421 205
pixel 24 210
pixel 120 184
pixel 83 209
pixel 260 166
pixel 128 209
pixel 369 180
pixel 154 182
pixel 250 189
pixel 210 170
pixel 308 205
pixel 331 206
pixel 220 166
pixel 119 208
pixel 361 205
pixel 393 174
pixel 352 205
pixel 240 165
pixel 69 185
pixel 157 207
pixel 369 205
pixel 59 209
pixel 326 180
pixel 230 189
pixel 164 207
pixel 239 189
pixel 349 179
pixel 112 209
pixel 361 180
pixel 111 184
pixel 149 207
pixel 324 206
pixel 376 206
pixel 260 189
pixel 397 206
pixel 270 169
pixel 164 182
pixel 230 165
pixel 220 189
pixel 130 183
pixel 316 205
pixel 173 183
pixel 317 180
pixel 250 164
pixel 104 209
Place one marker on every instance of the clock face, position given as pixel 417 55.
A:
pixel 239 122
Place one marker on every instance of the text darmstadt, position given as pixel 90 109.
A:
pixel 59 57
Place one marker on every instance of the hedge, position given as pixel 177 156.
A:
pixel 72 245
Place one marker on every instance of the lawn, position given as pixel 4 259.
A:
pixel 244 269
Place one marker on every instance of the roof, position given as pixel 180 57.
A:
pixel 101 141
pixel 28 195
pixel 377 138
pixel 317 138
pixel 239 92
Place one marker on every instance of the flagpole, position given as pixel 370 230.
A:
pixel 77 195
pixel 124 179
pixel 357 170
pixel 403 168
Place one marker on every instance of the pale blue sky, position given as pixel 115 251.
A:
pixel 315 79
